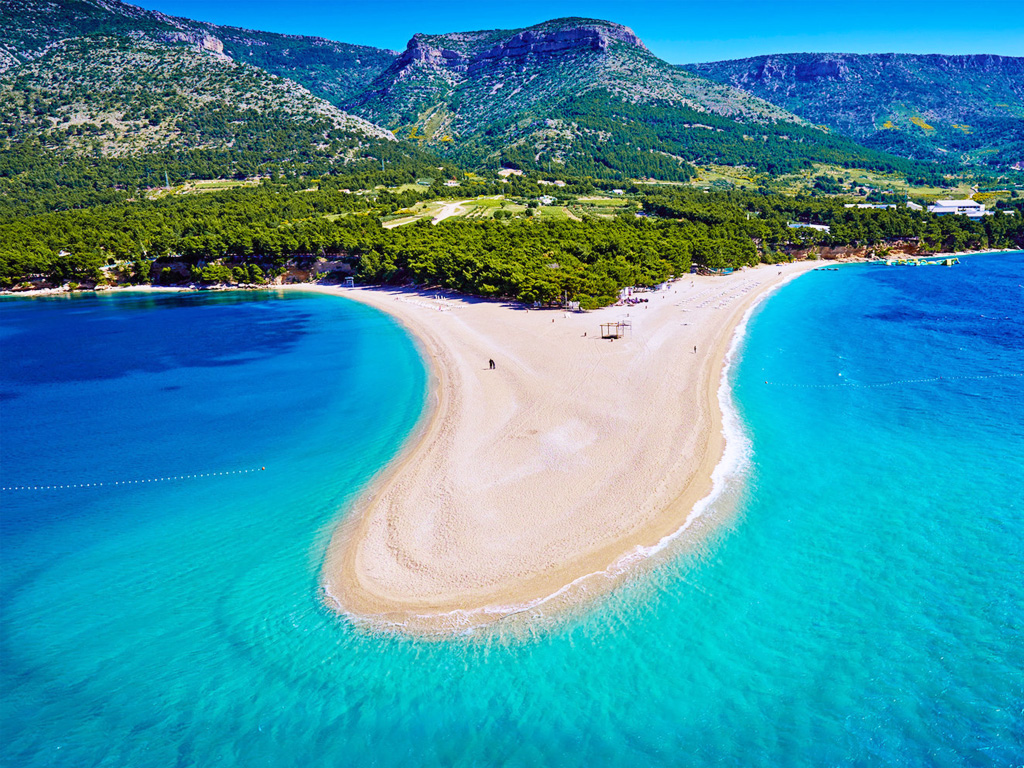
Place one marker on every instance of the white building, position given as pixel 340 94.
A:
pixel 818 227
pixel 969 208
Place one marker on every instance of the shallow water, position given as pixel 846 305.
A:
pixel 859 604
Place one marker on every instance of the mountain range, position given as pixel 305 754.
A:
pixel 105 80
pixel 585 95
pixel 920 106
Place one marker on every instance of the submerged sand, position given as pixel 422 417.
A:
pixel 571 454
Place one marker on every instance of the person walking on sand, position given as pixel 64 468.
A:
pixel 491 363
pixel 695 349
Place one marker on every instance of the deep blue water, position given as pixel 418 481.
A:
pixel 861 601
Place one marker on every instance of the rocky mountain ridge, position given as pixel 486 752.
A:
pixel 118 96
pixel 782 68
pixel 917 105
pixel 95 103
pixel 329 69
pixel 552 38
pixel 582 94
pixel 132 80
pixel 585 54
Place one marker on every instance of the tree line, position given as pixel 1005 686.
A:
pixel 765 219
pixel 253 234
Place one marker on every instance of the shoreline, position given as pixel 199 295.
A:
pixel 111 289
pixel 192 288
pixel 427 550
pixel 599 556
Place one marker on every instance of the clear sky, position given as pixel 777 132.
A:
pixel 681 32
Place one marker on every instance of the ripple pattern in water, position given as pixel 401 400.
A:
pixel 859 603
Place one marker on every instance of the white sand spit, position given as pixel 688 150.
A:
pixel 572 452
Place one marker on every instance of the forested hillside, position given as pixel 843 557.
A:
pixel 249 234
pixel 113 96
pixel 766 218
pixel 587 96
pixel 109 114
pixel 602 137
pixel 968 108
pixel 579 96
pixel 253 234
pixel 132 103
pixel 332 70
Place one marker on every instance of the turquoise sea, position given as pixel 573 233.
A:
pixel 860 601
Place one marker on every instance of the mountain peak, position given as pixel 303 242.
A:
pixel 606 30
pixel 464 49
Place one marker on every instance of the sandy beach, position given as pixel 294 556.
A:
pixel 538 484
pixel 532 483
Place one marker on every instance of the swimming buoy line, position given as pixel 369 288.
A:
pixel 73 486
pixel 893 383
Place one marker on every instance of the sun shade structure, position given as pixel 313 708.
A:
pixel 615 330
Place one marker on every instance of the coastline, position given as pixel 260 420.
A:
pixel 533 486
pixel 64 290
pixel 192 287
pixel 649 516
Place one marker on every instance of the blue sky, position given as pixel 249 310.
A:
pixel 680 32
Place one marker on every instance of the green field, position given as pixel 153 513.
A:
pixel 485 208
pixel 553 213
pixel 199 186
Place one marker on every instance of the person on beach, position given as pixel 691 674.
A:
pixel 695 349
pixel 491 363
